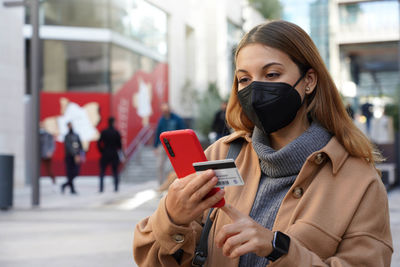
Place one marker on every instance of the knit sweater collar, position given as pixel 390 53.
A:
pixel 289 160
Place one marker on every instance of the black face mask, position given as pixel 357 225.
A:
pixel 270 105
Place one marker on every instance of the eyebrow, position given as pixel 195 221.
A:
pixel 265 66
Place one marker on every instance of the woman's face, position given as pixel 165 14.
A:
pixel 257 62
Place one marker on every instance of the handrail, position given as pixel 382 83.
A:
pixel 142 138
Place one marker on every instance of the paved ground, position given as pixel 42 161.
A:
pixel 394 206
pixel 92 229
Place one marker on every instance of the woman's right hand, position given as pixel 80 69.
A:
pixel 185 199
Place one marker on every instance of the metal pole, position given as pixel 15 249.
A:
pixel 35 96
pixel 397 148
pixel 398 61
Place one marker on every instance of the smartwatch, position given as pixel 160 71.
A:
pixel 280 246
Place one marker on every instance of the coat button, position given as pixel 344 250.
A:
pixel 178 238
pixel 298 192
pixel 319 158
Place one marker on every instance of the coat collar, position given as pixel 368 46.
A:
pixel 336 153
pixel 237 134
pixel 334 150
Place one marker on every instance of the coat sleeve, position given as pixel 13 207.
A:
pixel 181 124
pixel 154 242
pixel 367 241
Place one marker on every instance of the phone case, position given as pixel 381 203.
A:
pixel 183 149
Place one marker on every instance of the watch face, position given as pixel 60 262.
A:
pixel 282 242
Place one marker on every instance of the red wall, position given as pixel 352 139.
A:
pixel 136 106
pixel 52 113
pixel 127 102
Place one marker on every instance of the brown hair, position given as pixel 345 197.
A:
pixel 323 105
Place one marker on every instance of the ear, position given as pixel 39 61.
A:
pixel 311 80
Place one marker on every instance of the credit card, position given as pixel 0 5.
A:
pixel 225 170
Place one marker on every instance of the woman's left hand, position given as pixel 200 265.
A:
pixel 243 235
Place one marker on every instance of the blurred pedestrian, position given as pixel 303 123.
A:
pixel 312 195
pixel 366 111
pixel 74 155
pixel 109 146
pixel 47 147
pixel 169 121
pixel 219 123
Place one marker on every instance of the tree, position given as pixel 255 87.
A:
pixel 208 105
pixel 270 9
pixel 392 110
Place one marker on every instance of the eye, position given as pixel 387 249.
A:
pixel 243 80
pixel 272 75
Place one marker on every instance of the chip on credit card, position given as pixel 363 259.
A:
pixel 225 170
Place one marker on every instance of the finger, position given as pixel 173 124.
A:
pixel 187 179
pixel 201 192
pixel 232 243
pixel 244 248
pixel 226 232
pixel 198 180
pixel 211 201
pixel 232 212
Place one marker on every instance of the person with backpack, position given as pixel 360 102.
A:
pixel 74 156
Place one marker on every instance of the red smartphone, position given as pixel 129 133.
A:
pixel 183 149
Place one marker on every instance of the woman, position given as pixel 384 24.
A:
pixel 312 196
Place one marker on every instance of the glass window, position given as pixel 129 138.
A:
pixel 370 17
pixel 75 66
pixel 319 27
pixel 78 13
pixel 313 17
pixel 140 21
pixel 125 63
pixel 298 12
pixel 134 19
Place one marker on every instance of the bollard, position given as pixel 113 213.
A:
pixel 6 181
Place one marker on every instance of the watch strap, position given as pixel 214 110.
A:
pixel 280 246
pixel 274 255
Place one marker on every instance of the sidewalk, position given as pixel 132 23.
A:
pixel 93 229
pixel 394 209
pixel 88 229
pixel 88 196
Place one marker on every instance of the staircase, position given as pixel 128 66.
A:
pixel 142 166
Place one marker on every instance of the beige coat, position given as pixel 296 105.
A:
pixel 336 214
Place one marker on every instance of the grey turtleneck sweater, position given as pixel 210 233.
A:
pixel 279 170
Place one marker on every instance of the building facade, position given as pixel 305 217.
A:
pixel 121 58
pixel 367 39
pixel 358 40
